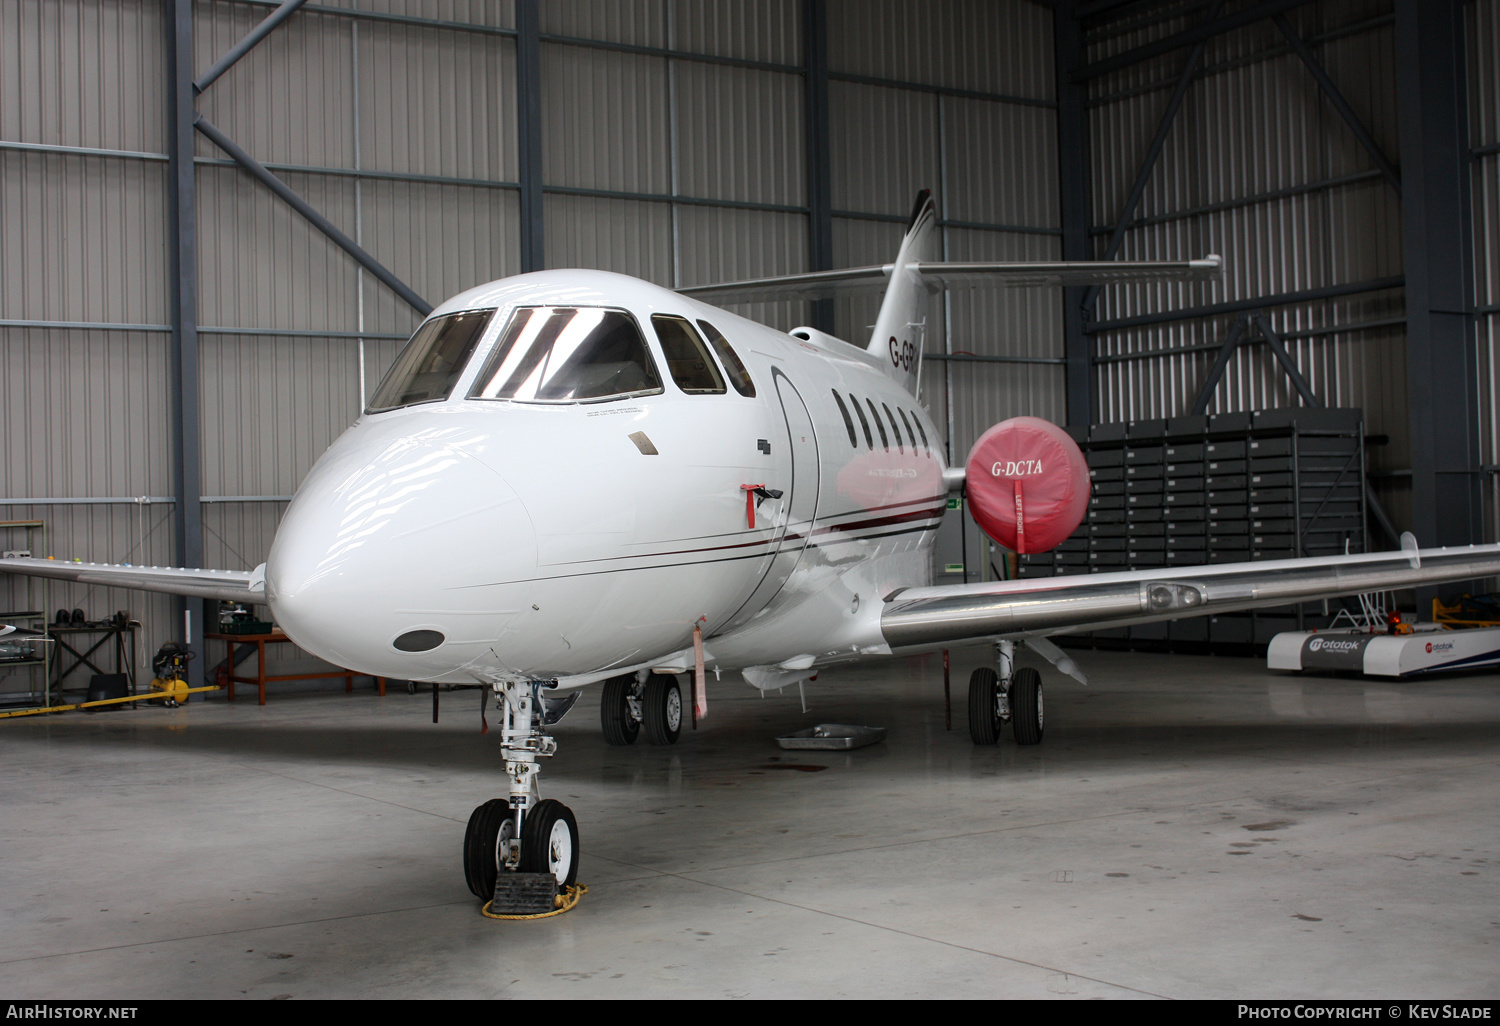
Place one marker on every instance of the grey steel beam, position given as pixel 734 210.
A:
pixel 1073 207
pixel 1325 185
pixel 265 28
pixel 1437 245
pixel 1206 392
pixel 947 222
pixel 529 133
pixel 1188 37
pixel 1243 60
pixel 1336 98
pixel 921 87
pixel 978 358
pixel 667 197
pixel 366 14
pixel 1241 305
pixel 1299 382
pixel 1212 347
pixel 318 221
pixel 819 150
pixel 1138 188
pixel 183 267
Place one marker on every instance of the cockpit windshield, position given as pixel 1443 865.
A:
pixel 427 369
pixel 568 355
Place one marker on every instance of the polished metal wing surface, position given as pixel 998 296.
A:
pixel 1063 605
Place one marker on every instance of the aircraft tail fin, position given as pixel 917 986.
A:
pixel 900 329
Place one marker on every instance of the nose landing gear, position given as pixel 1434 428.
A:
pixel 513 844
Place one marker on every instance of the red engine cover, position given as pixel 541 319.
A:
pixel 1028 484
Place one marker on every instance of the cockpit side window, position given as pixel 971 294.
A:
pixel 568 355
pixel 687 357
pixel 429 366
pixel 738 376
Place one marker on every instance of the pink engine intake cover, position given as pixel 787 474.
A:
pixel 1028 484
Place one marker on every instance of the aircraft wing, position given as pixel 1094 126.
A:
pixel 940 275
pixel 247 586
pixel 1064 605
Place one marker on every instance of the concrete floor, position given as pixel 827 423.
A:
pixel 1190 827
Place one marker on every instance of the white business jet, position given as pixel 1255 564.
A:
pixel 575 477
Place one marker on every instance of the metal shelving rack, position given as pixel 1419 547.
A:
pixel 1227 488
pixel 34 617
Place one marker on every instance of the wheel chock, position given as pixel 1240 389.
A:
pixel 524 894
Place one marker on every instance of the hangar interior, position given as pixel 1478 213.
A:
pixel 182 342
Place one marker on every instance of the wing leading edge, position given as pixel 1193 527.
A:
pixel 1064 605
pixel 247 586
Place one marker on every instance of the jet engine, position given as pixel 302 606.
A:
pixel 1028 484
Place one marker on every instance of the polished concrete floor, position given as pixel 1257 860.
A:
pixel 1190 827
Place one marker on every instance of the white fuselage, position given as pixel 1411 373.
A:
pixel 543 541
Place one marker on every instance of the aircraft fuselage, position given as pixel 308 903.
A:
pixel 568 540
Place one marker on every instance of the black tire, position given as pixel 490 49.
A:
pixel 482 845
pixel 661 709
pixel 984 725
pixel 620 728
pixel 1026 706
pixel 549 841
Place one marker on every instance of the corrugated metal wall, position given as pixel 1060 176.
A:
pixel 981 134
pixel 674 148
pixel 1260 168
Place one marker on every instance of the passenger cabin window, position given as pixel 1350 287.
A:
pixel 687 357
pixel 895 430
pixel 428 367
pixel 879 425
pixel 909 433
pixel 568 355
pixel 848 420
pixel 869 439
pixel 926 446
pixel 738 376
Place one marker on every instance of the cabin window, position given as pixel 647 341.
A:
pixel 687 357
pixel 738 376
pixel 568 355
pixel 848 420
pixel 430 364
pixel 869 439
pixel 879 426
pixel 923 432
pixel 909 433
pixel 895 430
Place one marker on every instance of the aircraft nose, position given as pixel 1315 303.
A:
pixel 371 559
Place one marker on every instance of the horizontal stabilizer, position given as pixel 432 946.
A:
pixel 943 275
pixel 228 585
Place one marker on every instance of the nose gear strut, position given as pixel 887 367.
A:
pixel 521 851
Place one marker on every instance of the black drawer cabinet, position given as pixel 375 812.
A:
pixel 1228 488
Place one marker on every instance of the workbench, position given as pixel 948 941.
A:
pixel 261 678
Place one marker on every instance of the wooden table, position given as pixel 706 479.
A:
pixel 260 680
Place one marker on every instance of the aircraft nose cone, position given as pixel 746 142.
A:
pixel 371 560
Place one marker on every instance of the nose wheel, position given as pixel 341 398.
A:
pixel 520 851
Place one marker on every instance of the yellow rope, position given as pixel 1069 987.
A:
pixel 564 901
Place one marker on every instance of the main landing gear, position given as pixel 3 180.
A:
pixel 1011 694
pixel 525 833
pixel 634 701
